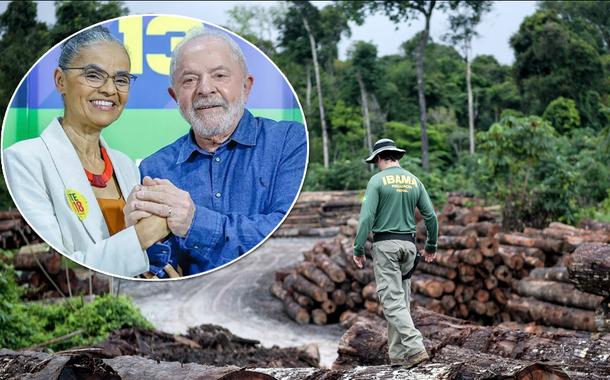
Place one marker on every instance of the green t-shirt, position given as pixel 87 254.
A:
pixel 389 206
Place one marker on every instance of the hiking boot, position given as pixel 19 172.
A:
pixel 394 363
pixel 416 359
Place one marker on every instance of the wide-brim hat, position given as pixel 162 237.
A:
pixel 381 146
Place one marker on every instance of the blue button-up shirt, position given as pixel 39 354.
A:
pixel 241 191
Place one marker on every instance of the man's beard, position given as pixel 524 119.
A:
pixel 218 124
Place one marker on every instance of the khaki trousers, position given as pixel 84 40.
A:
pixel 392 259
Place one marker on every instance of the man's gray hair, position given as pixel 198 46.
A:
pixel 203 32
pixel 72 48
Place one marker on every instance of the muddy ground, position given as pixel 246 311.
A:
pixel 236 297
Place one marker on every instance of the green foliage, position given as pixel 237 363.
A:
pixel 599 212
pixel 341 175
pixel 494 90
pixel 408 137
pixel 562 114
pixel 72 16
pixel 24 39
pixel 10 323
pixel 589 19
pixel 463 23
pixel 27 324
pixel 348 132
pixel 5 199
pixel 551 60
pixel 520 167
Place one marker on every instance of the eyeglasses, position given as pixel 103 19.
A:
pixel 96 77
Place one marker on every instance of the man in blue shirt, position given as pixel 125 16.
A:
pixel 229 182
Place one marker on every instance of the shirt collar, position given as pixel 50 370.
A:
pixel 244 134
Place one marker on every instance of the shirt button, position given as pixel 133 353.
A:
pixel 218 195
pixel 217 159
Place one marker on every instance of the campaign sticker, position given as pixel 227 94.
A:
pixel 77 203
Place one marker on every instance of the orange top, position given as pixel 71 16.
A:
pixel 112 209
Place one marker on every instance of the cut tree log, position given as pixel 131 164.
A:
pixel 301 299
pixel 339 297
pixel 558 274
pixel 447 259
pixel 302 285
pixel 427 302
pixel 589 268
pixel 369 292
pixel 365 343
pixel 504 274
pixel 467 273
pixel 293 309
pixel 457 242
pixel 557 292
pixel 470 256
pixel 488 246
pixel 511 258
pixel 437 270
pixel 51 261
pixel 547 245
pixel 485 228
pixel 328 306
pixel 428 285
pixel 318 277
pixel 532 310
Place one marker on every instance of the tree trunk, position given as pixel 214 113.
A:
pixel 421 90
pixel 316 67
pixel 308 91
pixel 470 107
pixel 365 112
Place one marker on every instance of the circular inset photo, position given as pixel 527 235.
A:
pixel 154 147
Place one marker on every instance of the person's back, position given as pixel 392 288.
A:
pixel 388 209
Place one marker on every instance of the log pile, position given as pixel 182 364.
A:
pixel 327 286
pixel 581 355
pixel 321 214
pixel 476 263
pixel 480 274
pixel 39 270
pixel 576 296
pixel 14 231
pixel 589 269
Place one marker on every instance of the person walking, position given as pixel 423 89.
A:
pixel 388 210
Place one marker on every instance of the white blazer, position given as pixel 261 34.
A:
pixel 41 171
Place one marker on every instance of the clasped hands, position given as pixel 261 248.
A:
pixel 161 205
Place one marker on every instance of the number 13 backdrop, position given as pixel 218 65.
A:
pixel 151 119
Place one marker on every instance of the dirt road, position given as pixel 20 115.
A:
pixel 236 297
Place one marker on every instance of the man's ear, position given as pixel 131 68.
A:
pixel 59 80
pixel 248 83
pixel 172 93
